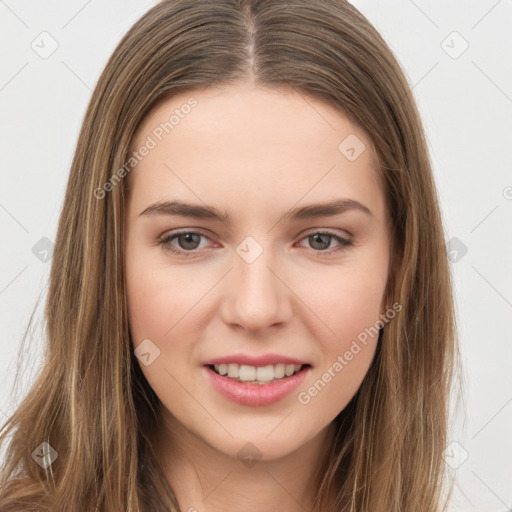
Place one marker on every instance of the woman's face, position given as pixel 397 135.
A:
pixel 268 286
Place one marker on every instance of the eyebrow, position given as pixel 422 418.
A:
pixel 182 209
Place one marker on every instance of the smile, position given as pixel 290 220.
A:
pixel 257 374
pixel 256 386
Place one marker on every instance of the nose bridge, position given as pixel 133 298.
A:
pixel 257 297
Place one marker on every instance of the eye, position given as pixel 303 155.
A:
pixel 187 240
pixel 320 241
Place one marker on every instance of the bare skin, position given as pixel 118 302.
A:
pixel 255 154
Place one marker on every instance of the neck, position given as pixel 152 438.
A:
pixel 205 479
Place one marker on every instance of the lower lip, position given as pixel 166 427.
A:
pixel 256 394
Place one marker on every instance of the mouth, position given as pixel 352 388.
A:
pixel 256 385
pixel 257 375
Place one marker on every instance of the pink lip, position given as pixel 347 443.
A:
pixel 255 361
pixel 255 394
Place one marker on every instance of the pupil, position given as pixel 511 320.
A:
pixel 189 239
pixel 316 237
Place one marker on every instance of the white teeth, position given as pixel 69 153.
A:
pixel 289 369
pixel 232 370
pixel 279 371
pixel 247 373
pixel 265 373
pixel 260 374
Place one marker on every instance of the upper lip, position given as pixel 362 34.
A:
pixel 263 360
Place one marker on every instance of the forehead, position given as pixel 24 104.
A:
pixel 244 143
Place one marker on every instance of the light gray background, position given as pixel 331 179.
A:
pixel 465 99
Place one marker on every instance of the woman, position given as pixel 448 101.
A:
pixel 259 368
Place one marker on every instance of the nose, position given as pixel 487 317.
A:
pixel 256 295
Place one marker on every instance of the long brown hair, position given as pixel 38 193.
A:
pixel 90 401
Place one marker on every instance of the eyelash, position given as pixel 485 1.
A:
pixel 166 239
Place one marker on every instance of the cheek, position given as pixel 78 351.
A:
pixel 161 309
pixel 157 297
pixel 349 300
pixel 348 353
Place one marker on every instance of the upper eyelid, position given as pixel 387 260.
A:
pixel 172 234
